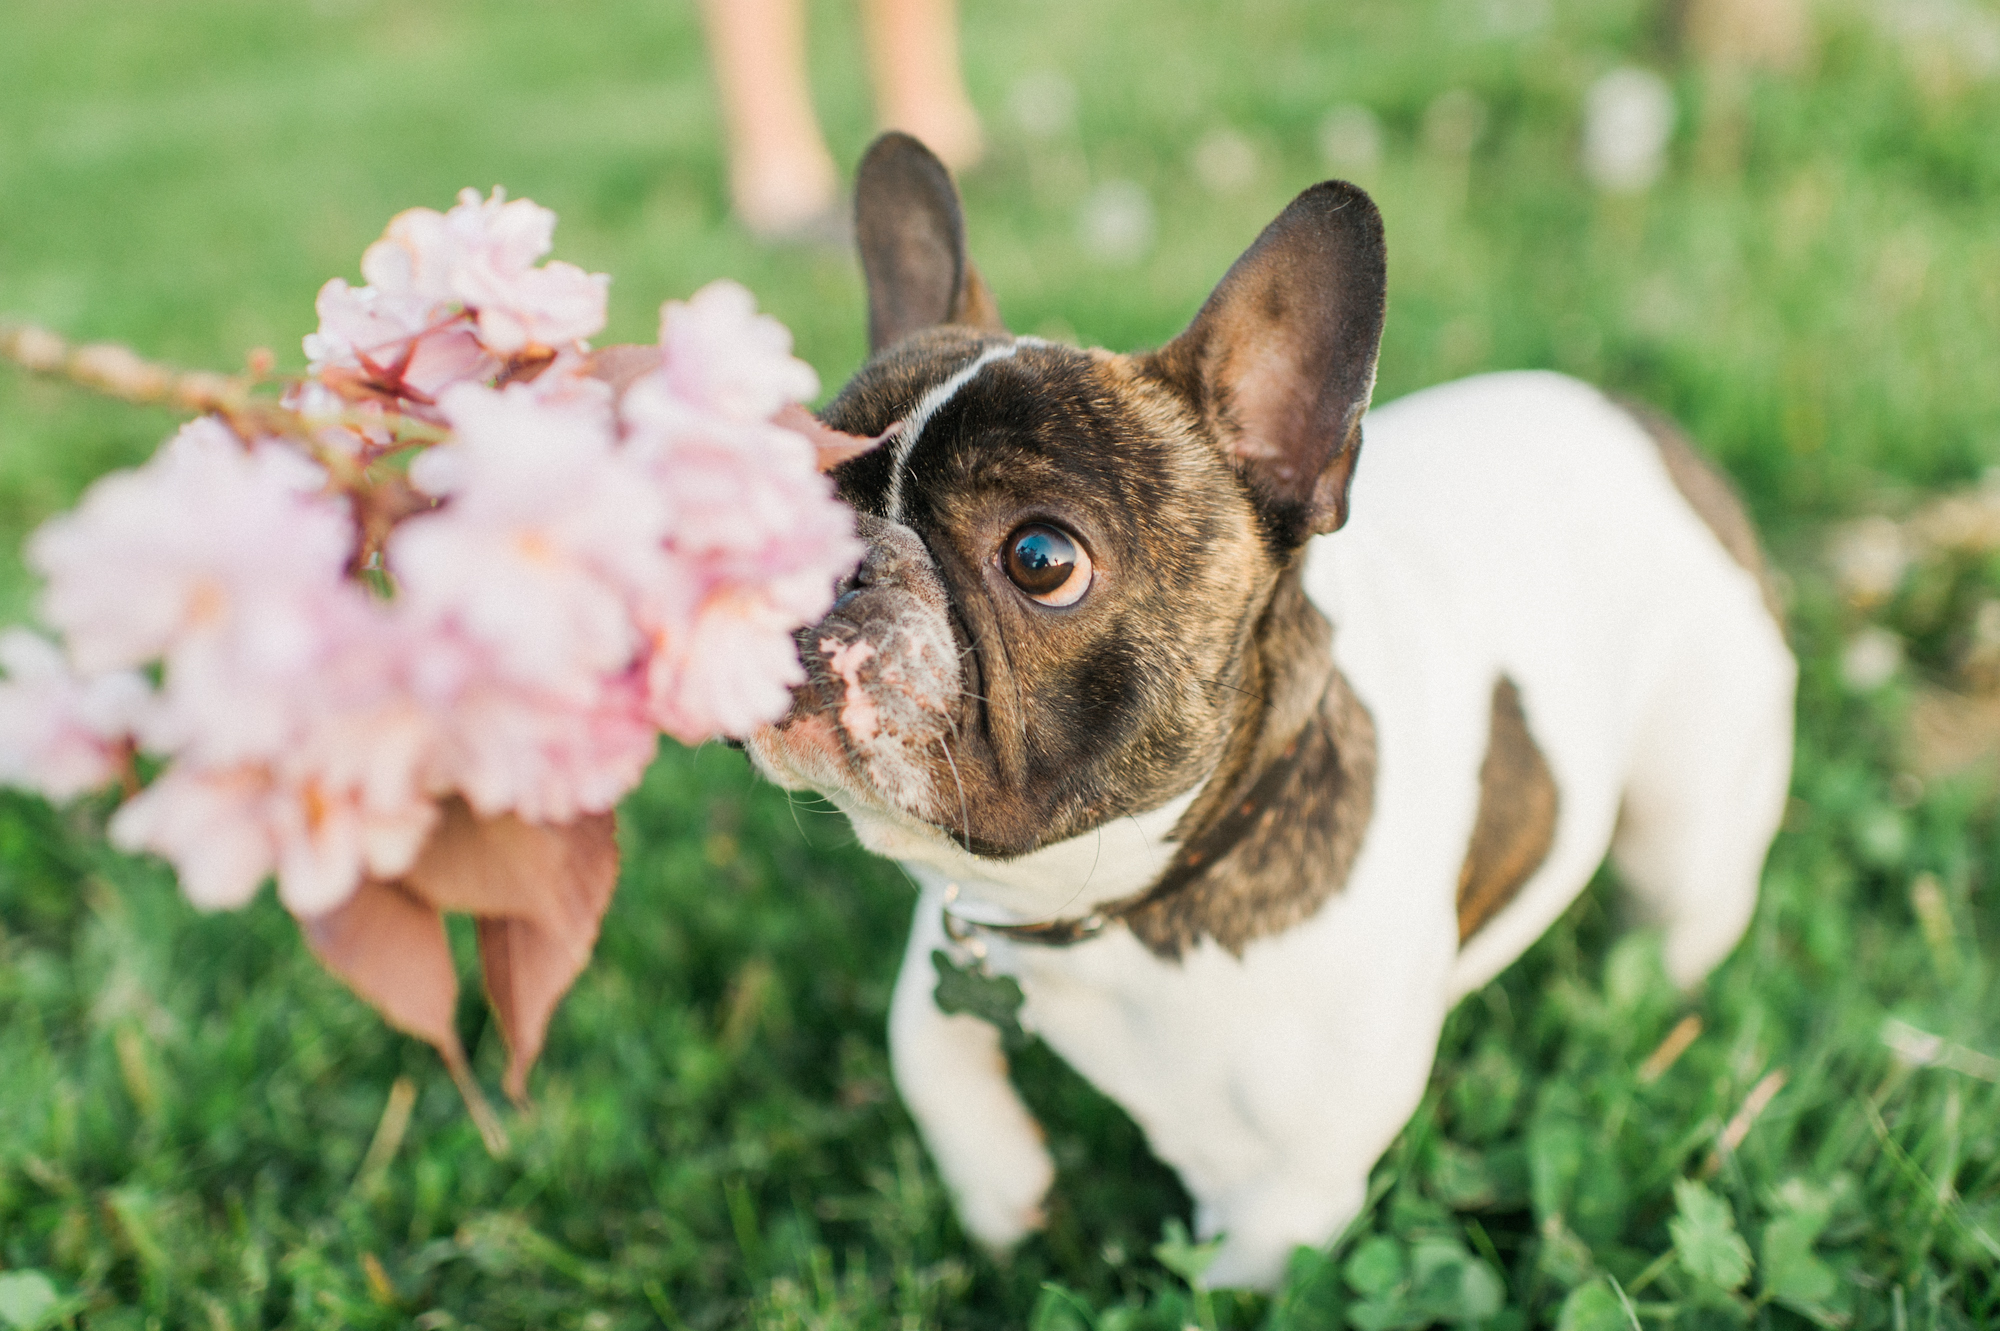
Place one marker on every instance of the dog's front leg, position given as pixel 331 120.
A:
pixel 952 1074
pixel 1261 1226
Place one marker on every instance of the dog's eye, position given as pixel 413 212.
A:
pixel 1048 564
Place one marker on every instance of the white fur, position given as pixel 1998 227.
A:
pixel 913 424
pixel 1516 524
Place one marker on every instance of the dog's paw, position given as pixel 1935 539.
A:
pixel 1262 1226
pixel 1003 1205
pixel 1247 1265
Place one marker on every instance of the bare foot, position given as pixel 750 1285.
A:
pixel 919 85
pixel 948 126
pixel 782 181
pixel 783 198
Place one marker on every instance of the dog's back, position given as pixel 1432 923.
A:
pixel 1522 534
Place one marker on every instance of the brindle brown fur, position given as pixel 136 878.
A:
pixel 1069 720
pixel 1303 844
pixel 1137 702
pixel 1516 822
pixel 1714 500
pixel 911 232
pixel 1192 477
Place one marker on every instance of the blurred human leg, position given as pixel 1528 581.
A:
pixel 919 84
pixel 781 176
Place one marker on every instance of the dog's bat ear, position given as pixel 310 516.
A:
pixel 911 233
pixel 1281 360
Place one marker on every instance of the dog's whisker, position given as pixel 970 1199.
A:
pixel 792 803
pixel 964 811
pixel 1237 688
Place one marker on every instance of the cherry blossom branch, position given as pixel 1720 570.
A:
pixel 117 371
pixel 399 632
pixel 120 372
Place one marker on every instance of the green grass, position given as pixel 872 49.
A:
pixel 187 1102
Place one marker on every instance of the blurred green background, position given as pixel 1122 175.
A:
pixel 187 1105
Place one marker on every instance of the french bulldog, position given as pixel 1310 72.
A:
pixel 1244 760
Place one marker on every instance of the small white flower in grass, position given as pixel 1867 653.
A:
pixel 61 734
pixel 1225 162
pixel 1869 557
pixel 1628 117
pixel 1043 103
pixel 1454 123
pixel 1115 222
pixel 1350 140
pixel 1871 659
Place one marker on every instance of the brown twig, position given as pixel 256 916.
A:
pixel 119 372
pixel 491 1131
pixel 388 1140
pixel 380 501
pixel 1684 1033
pixel 1745 1117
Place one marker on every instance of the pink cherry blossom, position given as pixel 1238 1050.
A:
pixel 225 830
pixel 594 571
pixel 341 796
pixel 451 296
pixel 209 542
pixel 227 566
pixel 209 825
pixel 61 734
pixel 727 673
pixel 427 253
pixel 759 542
pixel 546 757
pixel 481 256
pixel 444 679
pixel 547 526
pixel 549 306
pixel 430 343
pixel 718 354
pixel 326 839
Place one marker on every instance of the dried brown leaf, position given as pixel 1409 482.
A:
pixel 622 365
pixel 619 366
pixel 528 970
pixel 539 893
pixel 1768 34
pixel 390 948
pixel 833 446
pixel 1950 732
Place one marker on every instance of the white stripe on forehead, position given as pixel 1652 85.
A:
pixel 928 406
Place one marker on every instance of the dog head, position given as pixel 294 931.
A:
pixel 1065 614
